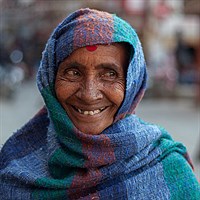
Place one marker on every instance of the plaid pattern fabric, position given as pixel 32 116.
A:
pixel 49 158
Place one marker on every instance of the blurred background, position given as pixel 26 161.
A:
pixel 170 34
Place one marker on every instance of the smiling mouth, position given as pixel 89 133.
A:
pixel 89 112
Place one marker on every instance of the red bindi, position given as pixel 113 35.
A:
pixel 91 48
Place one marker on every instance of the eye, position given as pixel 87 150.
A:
pixel 109 75
pixel 72 74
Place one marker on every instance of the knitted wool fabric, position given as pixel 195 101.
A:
pixel 49 158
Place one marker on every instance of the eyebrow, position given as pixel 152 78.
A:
pixel 73 64
pixel 79 65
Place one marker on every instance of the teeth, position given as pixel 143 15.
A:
pixel 86 112
pixel 97 111
pixel 79 110
pixel 91 113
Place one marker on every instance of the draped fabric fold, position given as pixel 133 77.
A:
pixel 49 158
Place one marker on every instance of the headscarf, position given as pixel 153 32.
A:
pixel 49 158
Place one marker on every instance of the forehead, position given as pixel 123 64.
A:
pixel 115 52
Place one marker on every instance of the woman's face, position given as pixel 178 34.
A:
pixel 90 86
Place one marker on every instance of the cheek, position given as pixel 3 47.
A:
pixel 63 90
pixel 116 93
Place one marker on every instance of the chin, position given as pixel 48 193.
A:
pixel 92 130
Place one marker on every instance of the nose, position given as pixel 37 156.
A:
pixel 90 91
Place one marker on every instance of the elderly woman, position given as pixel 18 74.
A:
pixel 87 142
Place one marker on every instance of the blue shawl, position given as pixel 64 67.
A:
pixel 49 158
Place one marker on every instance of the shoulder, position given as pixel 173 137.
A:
pixel 177 168
pixel 29 138
pixel 180 178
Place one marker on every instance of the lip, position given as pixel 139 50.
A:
pixel 84 117
pixel 89 111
